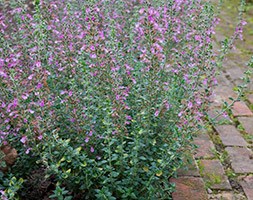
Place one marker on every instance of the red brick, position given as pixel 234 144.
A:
pixel 230 136
pixel 189 188
pixel 224 195
pixel 247 185
pixel 221 118
pixel 241 109
pixel 205 146
pixel 190 168
pixel 250 98
pixel 221 94
pixel 247 123
pixel 235 72
pixel 222 80
pixel 214 174
pixel 241 159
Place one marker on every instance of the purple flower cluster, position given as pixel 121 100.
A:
pixel 67 67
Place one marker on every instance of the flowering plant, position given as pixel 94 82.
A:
pixel 104 95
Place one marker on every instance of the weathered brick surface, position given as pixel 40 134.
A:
pixel 235 72
pixel 222 80
pixel 247 185
pixel 226 196
pixel 247 123
pixel 221 118
pixel 205 146
pixel 221 94
pixel 214 174
pixel 190 168
pixel 250 98
pixel 189 188
pixel 241 159
pixel 230 136
pixel 241 109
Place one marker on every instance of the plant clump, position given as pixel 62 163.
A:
pixel 103 95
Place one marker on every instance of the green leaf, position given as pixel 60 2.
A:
pixel 159 173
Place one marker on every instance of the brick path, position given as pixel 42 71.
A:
pixel 222 166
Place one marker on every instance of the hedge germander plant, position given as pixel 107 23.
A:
pixel 103 95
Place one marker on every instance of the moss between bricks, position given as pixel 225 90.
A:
pixel 246 136
pixel 210 179
pixel 251 107
pixel 213 179
pixel 230 173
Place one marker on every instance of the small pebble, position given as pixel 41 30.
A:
pixel 209 191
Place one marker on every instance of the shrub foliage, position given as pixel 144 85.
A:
pixel 103 95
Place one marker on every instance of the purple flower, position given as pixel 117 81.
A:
pixel 150 18
pixel 3 196
pixel 244 23
pixel 92 48
pixel 90 134
pixel 205 81
pixel 197 37
pixel 128 117
pixel 87 139
pixel 92 150
pixel 31 111
pixel 38 64
pixel 3 105
pixel 39 86
pixel 62 92
pixel 93 55
pixel 3 74
pixel 70 93
pixel 198 101
pixel 142 10
pixel 157 113
pixel 25 96
pixel 15 102
pixel 28 150
pixel 190 104
pixel 225 114
pixel 42 104
pixel 30 77
pixel 23 139
pixel 40 137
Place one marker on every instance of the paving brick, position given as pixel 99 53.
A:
pixel 235 73
pixel 205 146
pixel 241 159
pixel 247 123
pixel 219 38
pixel 250 98
pixel 190 168
pixel 222 80
pixel 224 196
pixel 224 119
pixel 241 109
pixel 230 136
pixel 214 175
pixel 247 185
pixel 189 188
pixel 221 94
